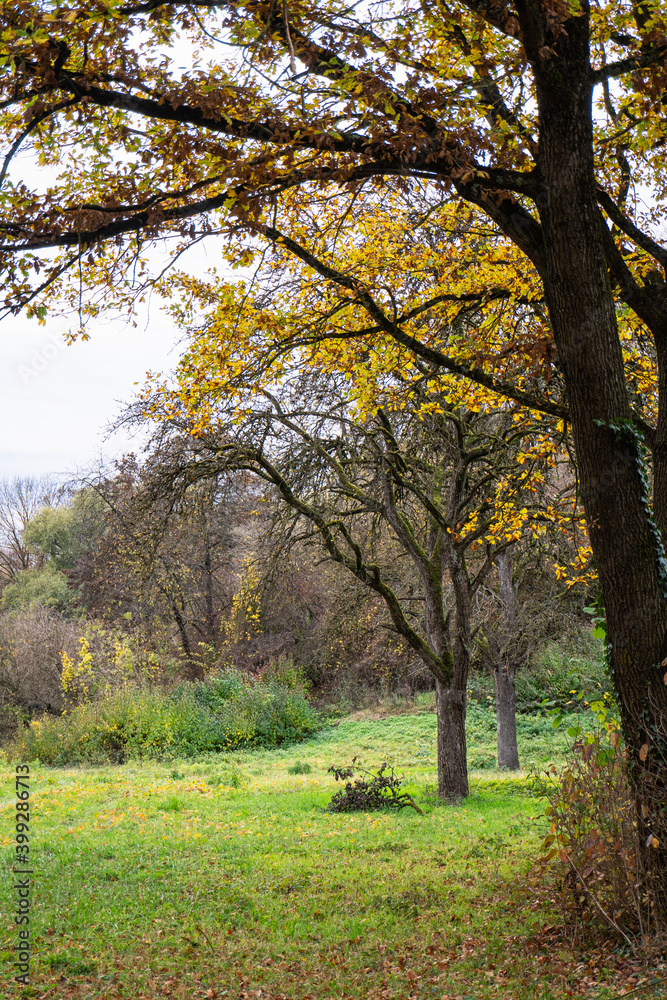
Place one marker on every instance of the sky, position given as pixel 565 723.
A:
pixel 56 401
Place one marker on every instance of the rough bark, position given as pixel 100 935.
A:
pixel 451 700
pixel 452 750
pixel 450 691
pixel 211 630
pixel 450 704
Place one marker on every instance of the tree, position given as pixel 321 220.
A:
pixel 489 103
pixel 508 633
pixel 439 479
pixel 501 658
pixel 46 543
pixel 63 535
pixel 162 559
pixel 20 500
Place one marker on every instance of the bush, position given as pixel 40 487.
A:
pixel 561 668
pixel 287 674
pixel 216 692
pixel 593 844
pixel 46 587
pixel 32 641
pixel 555 671
pixel 226 713
pixel 106 659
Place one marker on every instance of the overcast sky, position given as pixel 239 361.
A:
pixel 55 400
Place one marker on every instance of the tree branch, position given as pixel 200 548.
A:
pixel 630 64
pixel 642 240
pixel 415 346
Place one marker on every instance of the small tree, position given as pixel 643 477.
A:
pixel 21 499
pixel 162 559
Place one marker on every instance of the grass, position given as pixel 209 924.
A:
pixel 224 877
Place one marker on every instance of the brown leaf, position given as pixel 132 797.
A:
pixel 643 753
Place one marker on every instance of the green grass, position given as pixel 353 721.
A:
pixel 225 877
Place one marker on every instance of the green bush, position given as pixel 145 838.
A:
pixel 47 586
pixel 299 767
pixel 228 712
pixel 287 674
pixel 558 669
pixel 216 692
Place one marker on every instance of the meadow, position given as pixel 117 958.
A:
pixel 224 876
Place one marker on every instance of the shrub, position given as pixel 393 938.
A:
pixel 216 692
pixel 225 713
pixel 287 674
pixel 575 663
pixel 46 587
pixel 299 767
pixel 561 668
pixel 106 659
pixel 380 792
pixel 31 642
pixel 593 844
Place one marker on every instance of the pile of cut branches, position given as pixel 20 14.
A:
pixel 368 791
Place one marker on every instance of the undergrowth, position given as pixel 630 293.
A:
pixel 556 671
pixel 595 856
pixel 225 713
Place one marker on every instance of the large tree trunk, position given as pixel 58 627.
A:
pixel 452 752
pixel 451 699
pixel 582 311
pixel 450 702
